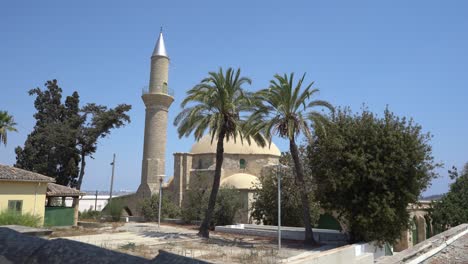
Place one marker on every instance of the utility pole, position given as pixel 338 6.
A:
pixel 112 180
pixel 95 202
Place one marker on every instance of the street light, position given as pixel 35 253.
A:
pixel 278 175
pixel 160 201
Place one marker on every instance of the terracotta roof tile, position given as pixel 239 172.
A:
pixel 60 190
pixel 8 173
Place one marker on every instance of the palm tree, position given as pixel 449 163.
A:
pixel 285 110
pixel 216 105
pixel 7 123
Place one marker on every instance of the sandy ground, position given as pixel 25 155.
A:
pixel 455 253
pixel 145 239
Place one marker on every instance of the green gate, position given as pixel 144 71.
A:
pixel 414 229
pixel 59 216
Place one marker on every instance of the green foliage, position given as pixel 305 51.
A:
pixel 285 108
pixel 228 204
pixel 150 208
pixel 13 218
pixel 114 208
pixel 368 169
pixel 7 123
pixel 216 104
pixel 50 149
pixel 97 123
pixel 452 210
pixel 265 206
pixel 89 214
pixel 65 134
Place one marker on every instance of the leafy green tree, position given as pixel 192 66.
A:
pixel 452 210
pixel 7 123
pixel 217 104
pixel 65 134
pixel 98 122
pixel 150 208
pixel 265 206
pixel 368 169
pixel 285 109
pixel 195 203
pixel 50 149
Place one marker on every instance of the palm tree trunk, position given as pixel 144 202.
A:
pixel 82 167
pixel 204 227
pixel 309 236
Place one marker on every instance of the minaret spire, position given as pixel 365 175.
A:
pixel 160 48
pixel 157 100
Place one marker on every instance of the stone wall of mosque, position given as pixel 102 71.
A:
pixel 235 163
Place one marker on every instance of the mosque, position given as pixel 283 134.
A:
pixel 242 165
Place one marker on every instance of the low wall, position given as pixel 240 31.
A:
pixel 329 255
pixel 325 236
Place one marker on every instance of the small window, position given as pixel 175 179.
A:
pixel 242 163
pixel 200 164
pixel 15 206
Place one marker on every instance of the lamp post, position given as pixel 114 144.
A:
pixel 278 175
pixel 160 201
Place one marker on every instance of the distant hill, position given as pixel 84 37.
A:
pixel 120 192
pixel 432 197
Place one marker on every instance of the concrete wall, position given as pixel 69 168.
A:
pixel 325 236
pixel 31 193
pixel 88 202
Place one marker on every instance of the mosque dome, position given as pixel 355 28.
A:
pixel 241 181
pixel 204 146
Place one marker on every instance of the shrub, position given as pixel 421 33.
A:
pixel 89 214
pixel 114 208
pixel 13 218
pixel 228 203
pixel 150 208
pixel 265 206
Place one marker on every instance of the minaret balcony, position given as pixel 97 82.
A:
pixel 159 89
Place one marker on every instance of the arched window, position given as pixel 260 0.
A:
pixel 242 163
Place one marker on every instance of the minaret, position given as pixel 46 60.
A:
pixel 157 100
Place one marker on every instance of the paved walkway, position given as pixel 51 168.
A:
pixel 138 233
pixel 146 239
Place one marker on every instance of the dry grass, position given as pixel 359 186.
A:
pixel 137 250
pixel 80 231
pixel 73 231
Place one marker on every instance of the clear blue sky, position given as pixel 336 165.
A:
pixel 410 55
